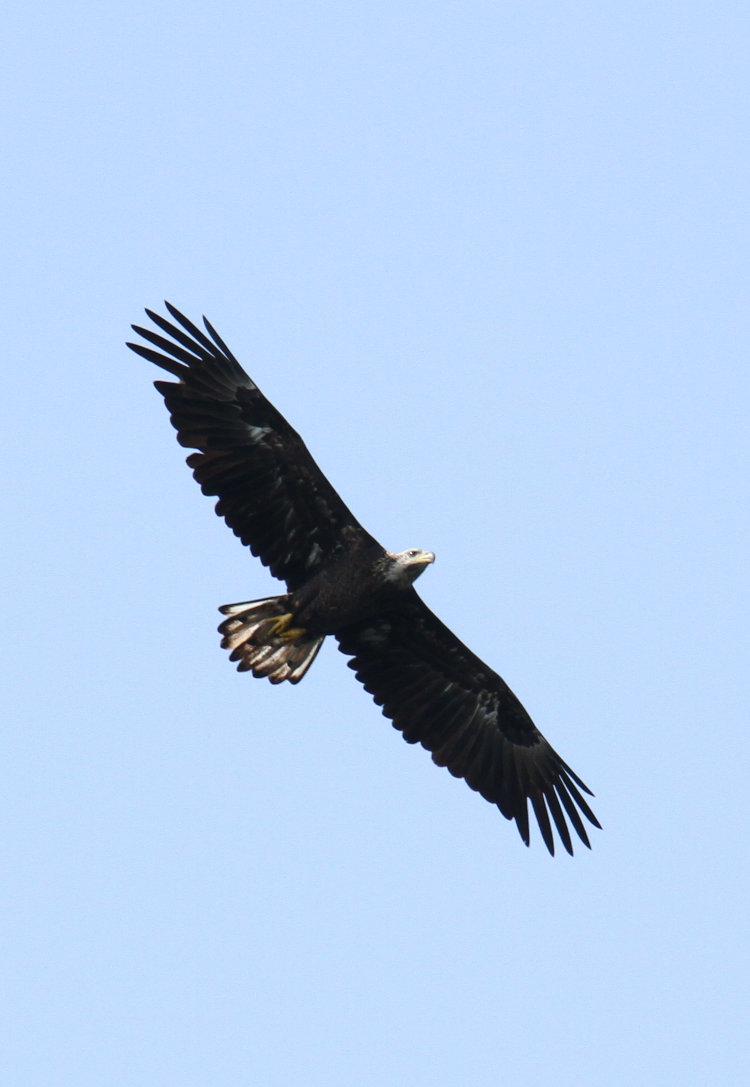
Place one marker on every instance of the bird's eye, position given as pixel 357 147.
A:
pixel 413 554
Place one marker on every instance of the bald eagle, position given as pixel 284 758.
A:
pixel 341 582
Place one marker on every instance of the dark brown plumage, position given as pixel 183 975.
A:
pixel 340 581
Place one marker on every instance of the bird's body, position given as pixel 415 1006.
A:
pixel 342 583
pixel 353 586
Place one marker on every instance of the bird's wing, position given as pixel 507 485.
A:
pixel 271 492
pixel 439 694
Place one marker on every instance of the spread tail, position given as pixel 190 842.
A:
pixel 263 639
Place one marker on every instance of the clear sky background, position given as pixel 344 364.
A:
pixel 491 259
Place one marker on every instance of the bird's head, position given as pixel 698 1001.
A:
pixel 408 565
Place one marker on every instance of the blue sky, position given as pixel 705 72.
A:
pixel 492 261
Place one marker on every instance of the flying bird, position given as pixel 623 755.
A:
pixel 341 582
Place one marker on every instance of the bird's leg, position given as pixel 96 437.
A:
pixel 281 629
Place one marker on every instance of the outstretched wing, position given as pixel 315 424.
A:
pixel 439 694
pixel 271 492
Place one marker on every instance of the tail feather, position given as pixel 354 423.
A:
pixel 254 634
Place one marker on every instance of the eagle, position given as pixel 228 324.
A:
pixel 341 582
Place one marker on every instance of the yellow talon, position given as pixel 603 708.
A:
pixel 280 623
pixel 280 629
